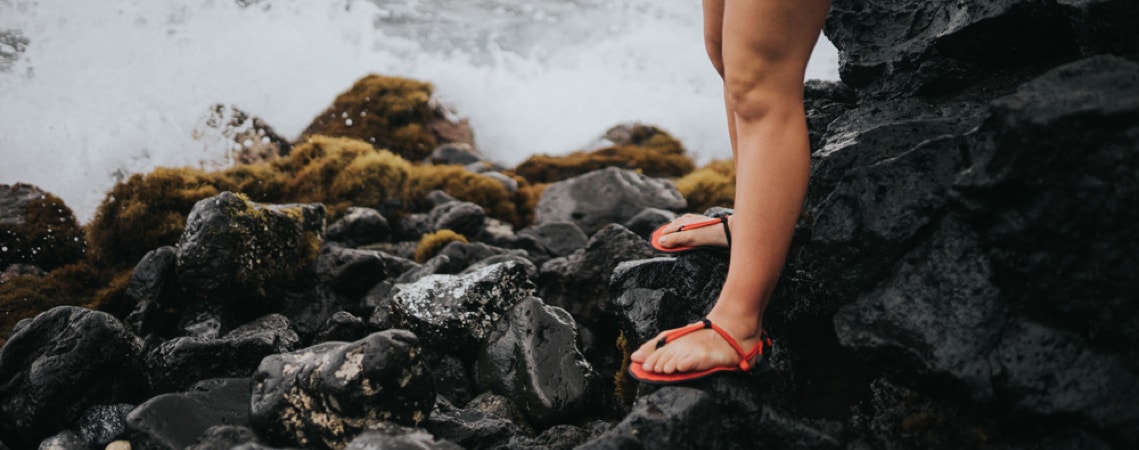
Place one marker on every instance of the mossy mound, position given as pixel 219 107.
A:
pixel 26 296
pixel 37 228
pixel 432 243
pixel 648 150
pixel 387 112
pixel 711 185
pixel 343 172
pixel 146 212
pixel 464 185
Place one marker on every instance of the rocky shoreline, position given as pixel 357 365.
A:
pixel 962 275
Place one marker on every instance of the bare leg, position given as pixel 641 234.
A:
pixel 766 47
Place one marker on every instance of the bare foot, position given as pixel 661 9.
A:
pixel 699 350
pixel 709 236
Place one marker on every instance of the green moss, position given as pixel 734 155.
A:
pixel 342 172
pixel 711 185
pixel 647 150
pixel 49 237
pixel 145 212
pixel 432 243
pixel 463 185
pixel 26 296
pixel 387 112
pixel 624 386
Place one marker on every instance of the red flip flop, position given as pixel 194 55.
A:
pixel 747 359
pixel 692 226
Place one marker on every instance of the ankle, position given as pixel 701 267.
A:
pixel 744 327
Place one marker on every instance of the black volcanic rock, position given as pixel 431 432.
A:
pixel 559 238
pixel 235 249
pixel 37 228
pixel 605 196
pixel 180 362
pixel 465 218
pixel 175 421
pixel 359 226
pixel 59 364
pixel 533 358
pixel 322 396
pixel 150 282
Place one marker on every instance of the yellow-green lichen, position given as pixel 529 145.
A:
pixel 711 185
pixel 432 243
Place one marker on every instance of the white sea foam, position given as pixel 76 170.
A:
pixel 102 90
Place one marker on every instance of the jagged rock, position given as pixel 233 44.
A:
pixel 147 287
pixel 352 272
pixel 531 269
pixel 605 196
pixel 343 326
pixel 896 48
pixel 102 424
pixel 473 427
pixel 558 437
pixel 532 357
pixel 1098 27
pixel 456 312
pixel 224 437
pixel 579 282
pixel 175 421
pixel 463 254
pixel 559 238
pixel 465 218
pixel 452 379
pixel 65 440
pixel 823 102
pixel 359 226
pixel 235 249
pixel 180 362
pixel 411 227
pixel 388 436
pixel 37 228
pixel 61 363
pixel 324 395
pixel 310 309
pixel 648 220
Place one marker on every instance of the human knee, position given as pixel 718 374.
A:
pixel 749 95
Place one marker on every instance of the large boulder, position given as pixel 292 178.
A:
pixel 239 250
pixel 324 395
pixel 37 228
pixel 455 312
pixel 533 358
pixel 60 363
pixel 605 196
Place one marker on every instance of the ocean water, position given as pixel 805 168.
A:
pixel 91 92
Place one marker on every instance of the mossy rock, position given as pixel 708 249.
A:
pixel 234 248
pixel 432 243
pixel 388 112
pixel 146 212
pixel 37 228
pixel 711 185
pixel 463 185
pixel 648 150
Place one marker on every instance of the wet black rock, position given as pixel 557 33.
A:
pixel 389 436
pixel 411 227
pixel 475 426
pixel 59 364
pixel 605 196
pixel 175 421
pixel 463 254
pixel 579 282
pixel 559 437
pixel 453 381
pixel 343 326
pixel 149 284
pixel 559 238
pixel 352 272
pixel 533 358
pixel 65 440
pixel 322 396
pixel 653 295
pixel 825 101
pixel 102 424
pixel 359 226
pixel 224 437
pixel 456 312
pixel 245 252
pixel 180 362
pixel 648 220
pixel 465 218
pixel 527 265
